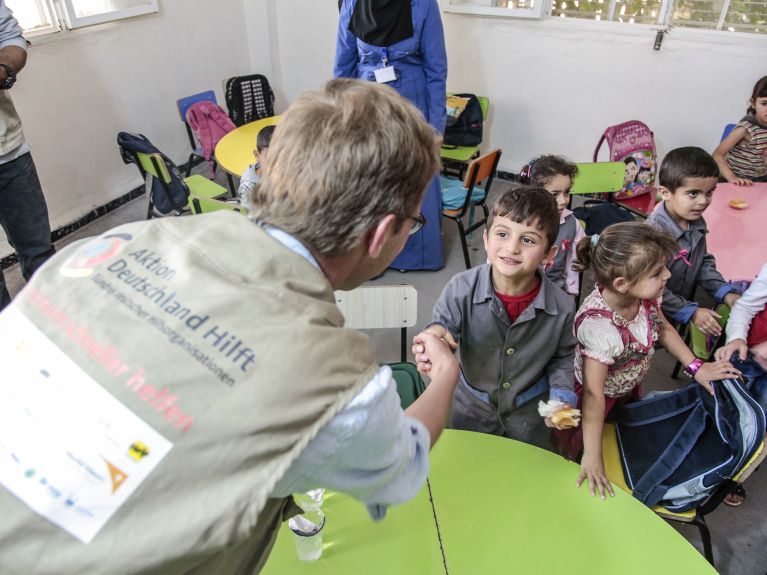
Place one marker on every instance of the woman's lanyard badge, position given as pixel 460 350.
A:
pixel 386 73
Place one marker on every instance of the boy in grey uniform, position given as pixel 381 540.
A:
pixel 687 180
pixel 513 326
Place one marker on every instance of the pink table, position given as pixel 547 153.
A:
pixel 736 237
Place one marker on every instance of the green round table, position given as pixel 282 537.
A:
pixel 496 506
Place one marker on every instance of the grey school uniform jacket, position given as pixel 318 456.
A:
pixel 692 266
pixel 502 359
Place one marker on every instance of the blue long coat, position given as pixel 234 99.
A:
pixel 420 63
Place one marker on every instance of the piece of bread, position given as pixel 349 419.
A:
pixel 738 204
pixel 567 417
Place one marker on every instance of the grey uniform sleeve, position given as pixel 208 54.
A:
pixel 447 310
pixel 708 276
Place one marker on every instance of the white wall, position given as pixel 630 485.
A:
pixel 554 86
pixel 80 88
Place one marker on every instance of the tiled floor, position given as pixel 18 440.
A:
pixel 739 534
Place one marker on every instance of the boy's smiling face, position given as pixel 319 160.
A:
pixel 688 202
pixel 515 250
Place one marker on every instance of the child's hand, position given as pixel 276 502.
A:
pixel 726 352
pixel 594 469
pixel 741 182
pixel 720 369
pixel 434 357
pixel 705 320
pixel 442 332
pixel 563 425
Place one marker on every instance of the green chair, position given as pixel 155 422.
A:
pixel 410 385
pixel 204 205
pixel 597 178
pixel 455 159
pixel 152 166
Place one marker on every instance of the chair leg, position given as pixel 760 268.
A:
pixel 189 165
pixel 705 536
pixel 464 243
pixel 230 182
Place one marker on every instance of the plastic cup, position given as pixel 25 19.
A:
pixel 308 539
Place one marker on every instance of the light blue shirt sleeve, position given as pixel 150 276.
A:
pixel 370 450
pixel 685 314
pixel 10 31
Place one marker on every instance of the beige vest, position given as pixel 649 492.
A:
pixel 11 133
pixel 245 336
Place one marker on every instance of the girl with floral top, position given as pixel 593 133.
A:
pixel 617 327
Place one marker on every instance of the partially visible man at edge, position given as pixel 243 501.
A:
pixel 229 367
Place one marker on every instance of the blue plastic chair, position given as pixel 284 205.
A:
pixel 727 129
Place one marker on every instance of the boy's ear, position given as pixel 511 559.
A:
pixel 378 236
pixel 665 192
pixel 621 285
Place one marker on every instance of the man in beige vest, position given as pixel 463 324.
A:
pixel 167 385
pixel 23 213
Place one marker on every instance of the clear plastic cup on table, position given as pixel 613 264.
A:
pixel 307 532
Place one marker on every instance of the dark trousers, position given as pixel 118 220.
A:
pixel 24 217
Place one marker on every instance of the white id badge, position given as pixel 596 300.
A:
pixel 384 75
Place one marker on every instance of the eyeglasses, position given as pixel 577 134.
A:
pixel 419 221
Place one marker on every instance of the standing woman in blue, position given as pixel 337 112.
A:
pixel 401 43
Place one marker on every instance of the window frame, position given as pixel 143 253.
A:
pixel 72 21
pixel 545 11
pixel 537 12
pixel 63 16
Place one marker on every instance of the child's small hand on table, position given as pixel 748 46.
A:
pixel 726 352
pixel 741 182
pixel 593 468
pixel 714 371
pixel 706 321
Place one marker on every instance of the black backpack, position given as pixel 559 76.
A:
pixel 599 214
pixel 466 130
pixel 249 98
pixel 165 199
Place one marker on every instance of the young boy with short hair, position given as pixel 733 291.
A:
pixel 687 180
pixel 512 325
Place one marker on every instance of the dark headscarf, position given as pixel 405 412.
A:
pixel 382 22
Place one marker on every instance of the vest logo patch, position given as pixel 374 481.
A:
pixel 82 263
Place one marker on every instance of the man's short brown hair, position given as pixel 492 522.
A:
pixel 340 160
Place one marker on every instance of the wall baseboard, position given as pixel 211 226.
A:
pixel 94 214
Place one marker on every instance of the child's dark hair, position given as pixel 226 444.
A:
pixel 683 163
pixel 543 169
pixel 628 249
pixel 264 137
pixel 760 91
pixel 531 206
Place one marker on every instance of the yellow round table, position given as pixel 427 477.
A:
pixel 234 152
pixel 494 505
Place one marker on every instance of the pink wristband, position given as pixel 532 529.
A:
pixel 693 368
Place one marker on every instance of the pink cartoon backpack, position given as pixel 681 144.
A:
pixel 209 123
pixel 632 143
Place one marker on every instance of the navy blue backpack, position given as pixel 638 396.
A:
pixel 677 447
